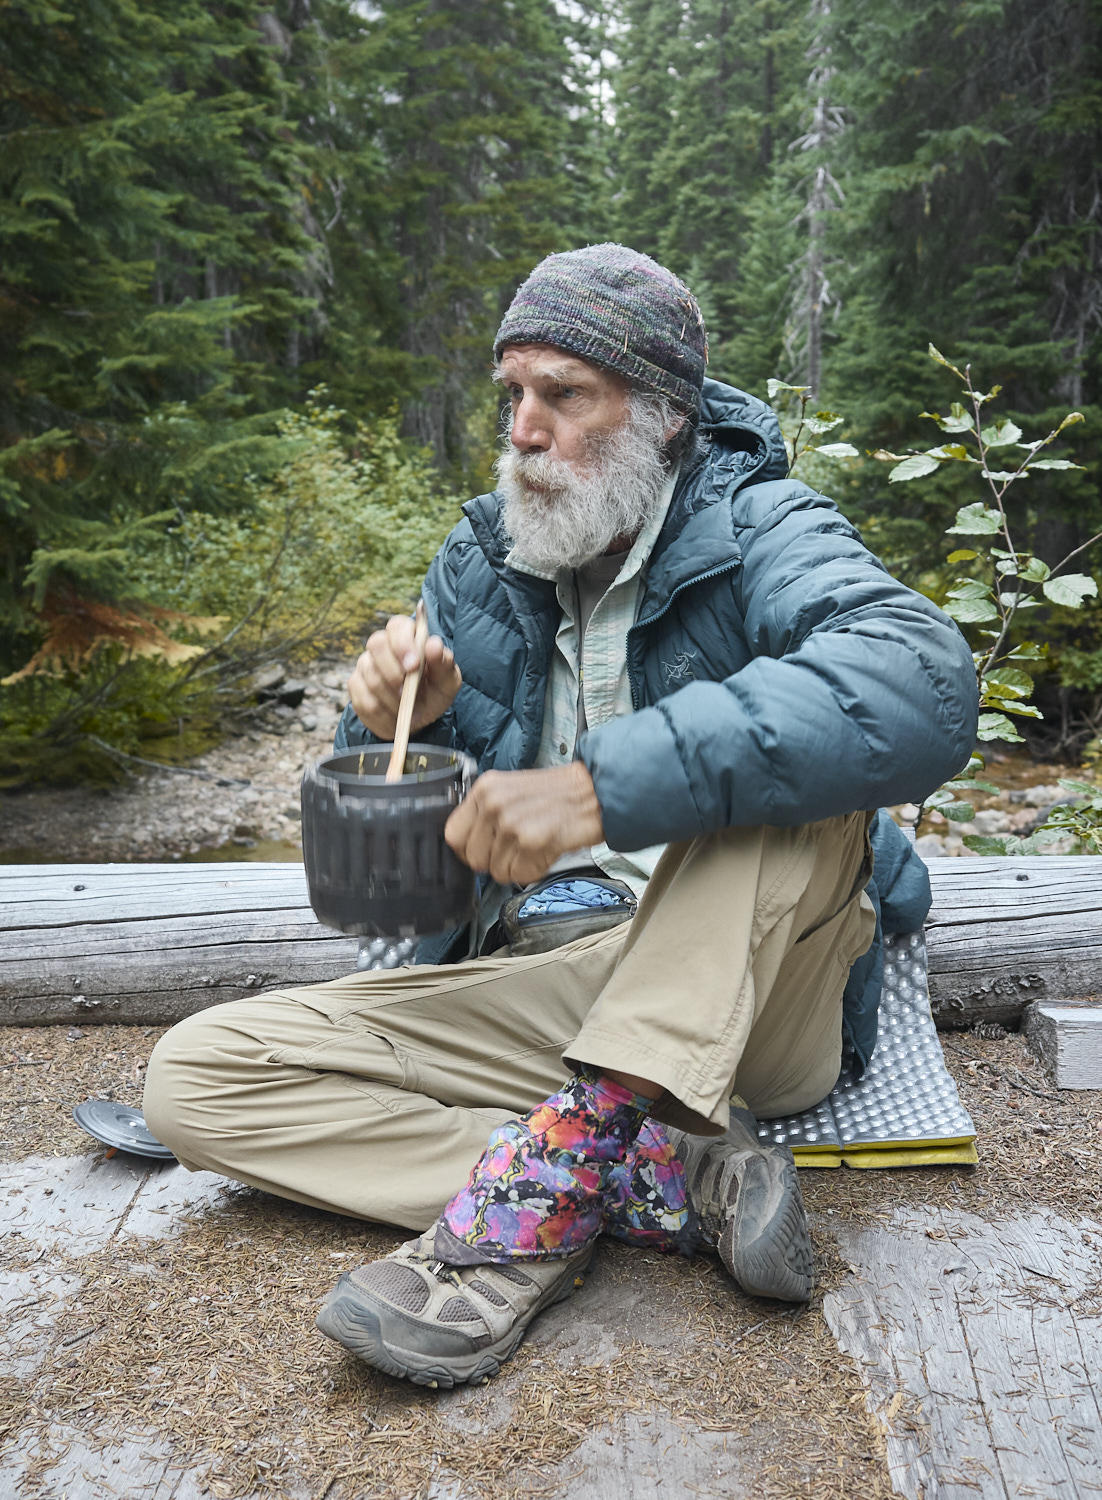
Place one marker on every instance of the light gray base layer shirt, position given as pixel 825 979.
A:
pixel 588 683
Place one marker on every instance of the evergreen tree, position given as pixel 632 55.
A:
pixel 448 139
pixel 973 218
pixel 151 241
pixel 703 94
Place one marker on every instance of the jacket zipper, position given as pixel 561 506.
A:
pixel 727 567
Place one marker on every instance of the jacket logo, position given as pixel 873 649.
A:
pixel 680 670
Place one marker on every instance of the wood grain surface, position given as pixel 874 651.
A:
pixel 148 944
pixel 981 1346
pixel 1068 1040
pixel 1003 932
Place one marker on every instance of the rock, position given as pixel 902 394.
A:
pixel 1043 796
pixel 309 721
pixel 269 678
pixel 991 820
pixel 930 846
pixel 331 680
pixel 292 693
pixel 908 812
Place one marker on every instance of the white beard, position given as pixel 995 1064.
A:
pixel 577 514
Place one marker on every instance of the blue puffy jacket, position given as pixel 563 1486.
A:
pixel 779 674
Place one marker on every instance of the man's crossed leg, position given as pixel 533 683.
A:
pixel 376 1096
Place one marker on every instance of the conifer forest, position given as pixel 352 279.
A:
pixel 252 257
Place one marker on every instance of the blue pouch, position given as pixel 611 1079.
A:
pixel 561 908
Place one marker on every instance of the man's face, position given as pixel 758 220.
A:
pixel 584 467
pixel 560 403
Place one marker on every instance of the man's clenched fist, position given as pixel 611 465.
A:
pixel 515 824
pixel 375 686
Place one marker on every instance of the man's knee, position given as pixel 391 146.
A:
pixel 183 1088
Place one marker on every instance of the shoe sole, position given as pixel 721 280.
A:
pixel 765 1268
pixel 348 1319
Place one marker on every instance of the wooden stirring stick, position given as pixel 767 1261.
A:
pixel 396 769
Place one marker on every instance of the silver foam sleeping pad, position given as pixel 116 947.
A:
pixel 906 1094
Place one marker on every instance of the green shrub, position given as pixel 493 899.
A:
pixel 342 531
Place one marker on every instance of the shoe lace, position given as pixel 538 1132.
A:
pixel 438 1268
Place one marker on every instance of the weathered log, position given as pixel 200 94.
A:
pixel 1004 932
pixel 148 944
pixel 1068 1041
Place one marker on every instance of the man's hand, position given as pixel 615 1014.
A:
pixel 515 824
pixel 375 686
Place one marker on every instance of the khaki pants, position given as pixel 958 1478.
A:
pixel 375 1095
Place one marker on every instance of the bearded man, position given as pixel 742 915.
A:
pixel 680 670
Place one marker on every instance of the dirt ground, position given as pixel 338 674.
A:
pixel 207 1343
pixel 243 803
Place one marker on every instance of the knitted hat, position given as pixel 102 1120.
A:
pixel 620 309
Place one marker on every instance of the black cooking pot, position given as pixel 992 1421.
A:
pixel 376 861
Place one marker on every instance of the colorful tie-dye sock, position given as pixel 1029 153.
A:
pixel 647 1198
pixel 538 1190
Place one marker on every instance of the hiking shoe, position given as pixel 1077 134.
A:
pixel 411 1315
pixel 748 1199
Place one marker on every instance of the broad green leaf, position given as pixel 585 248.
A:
pixel 959 812
pixel 1004 476
pixel 1001 434
pixel 1054 463
pixel 999 552
pixel 837 450
pixel 1023 710
pixel 970 611
pixel 1069 589
pixel 941 798
pixel 775 386
pixel 1035 571
pixel 970 784
pixel 913 467
pixel 1019 601
pixel 824 421
pixel 1027 651
pixel 936 354
pixel 997 727
pixel 989 395
pixel 1012 680
pixel 1070 420
pixel 976 519
pixel 955 451
pixel 962 554
pixel 958 420
pixel 992 843
pixel 975 763
pixel 971 588
pixel 1083 788
pixel 1050 835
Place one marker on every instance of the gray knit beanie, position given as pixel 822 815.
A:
pixel 620 309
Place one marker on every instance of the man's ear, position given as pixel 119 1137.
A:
pixel 674 428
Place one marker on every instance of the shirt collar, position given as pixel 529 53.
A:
pixel 640 551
